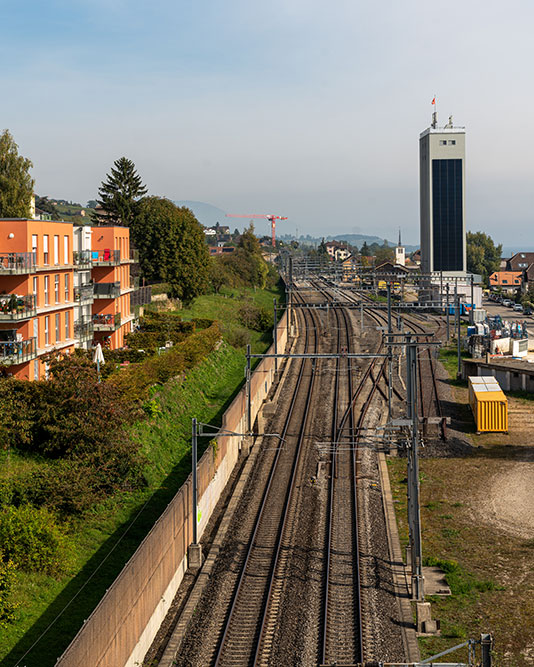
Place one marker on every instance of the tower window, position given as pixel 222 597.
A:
pixel 452 142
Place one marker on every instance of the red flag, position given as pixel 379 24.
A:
pixel 434 101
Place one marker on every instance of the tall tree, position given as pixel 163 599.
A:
pixel 171 247
pixel 365 251
pixel 16 184
pixel 119 194
pixel 483 256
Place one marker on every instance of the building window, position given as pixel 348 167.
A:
pixel 45 249
pixel 505 282
pixel 34 248
pixel 447 215
pixel 442 143
pixel 67 325
pixel 56 287
pixel 65 250
pixel 47 330
pixel 58 325
pixel 56 250
pixel 46 290
pixel 452 142
pixel 35 292
pixel 36 369
pixel 67 287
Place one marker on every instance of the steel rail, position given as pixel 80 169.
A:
pixel 238 593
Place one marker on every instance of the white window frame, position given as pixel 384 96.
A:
pixel 35 292
pixel 58 327
pixel 67 325
pixel 67 288
pixel 56 287
pixel 47 330
pixel 45 249
pixel 56 249
pixel 65 249
pixel 47 290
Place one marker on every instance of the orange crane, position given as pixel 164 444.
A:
pixel 272 218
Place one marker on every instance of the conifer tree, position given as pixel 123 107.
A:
pixel 119 194
pixel 16 184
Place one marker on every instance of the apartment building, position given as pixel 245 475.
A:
pixel 36 294
pixel 112 284
pixel 61 287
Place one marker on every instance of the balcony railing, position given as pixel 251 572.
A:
pixel 141 296
pixel 82 258
pixel 17 351
pixel 17 262
pixel 83 329
pixel 84 292
pixel 107 290
pixel 106 321
pixel 15 307
pixel 106 257
pixel 134 255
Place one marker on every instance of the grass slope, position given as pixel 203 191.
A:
pixel 51 611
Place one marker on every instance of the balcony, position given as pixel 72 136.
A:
pixel 14 352
pixel 83 329
pixel 14 307
pixel 134 257
pixel 106 322
pixel 107 290
pixel 106 257
pixel 17 262
pixel 82 259
pixel 84 293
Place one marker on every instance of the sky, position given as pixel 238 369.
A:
pixel 301 108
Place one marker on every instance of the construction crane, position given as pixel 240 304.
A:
pixel 272 218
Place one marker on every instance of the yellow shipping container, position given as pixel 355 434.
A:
pixel 489 404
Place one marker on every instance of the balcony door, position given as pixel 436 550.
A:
pixel 36 331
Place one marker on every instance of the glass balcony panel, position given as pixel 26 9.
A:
pixel 17 262
pixel 17 307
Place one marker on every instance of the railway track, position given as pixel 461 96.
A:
pixel 248 629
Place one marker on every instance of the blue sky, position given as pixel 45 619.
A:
pixel 303 108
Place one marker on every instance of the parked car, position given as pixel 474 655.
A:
pixel 506 302
pixel 527 310
pixel 518 308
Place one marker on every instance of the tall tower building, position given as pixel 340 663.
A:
pixel 442 194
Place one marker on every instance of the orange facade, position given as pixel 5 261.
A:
pixel 112 316
pixel 37 291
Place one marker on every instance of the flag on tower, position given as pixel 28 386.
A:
pixel 434 101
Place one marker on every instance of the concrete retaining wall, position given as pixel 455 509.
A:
pixel 122 627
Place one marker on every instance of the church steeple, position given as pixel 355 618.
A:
pixel 400 255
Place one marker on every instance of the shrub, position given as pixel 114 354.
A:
pixel 32 539
pixel 238 338
pixel 78 414
pixel 7 606
pixel 255 317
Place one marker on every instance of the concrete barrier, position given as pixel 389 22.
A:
pixel 122 627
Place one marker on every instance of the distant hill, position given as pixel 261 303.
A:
pixel 206 214
pixel 358 240
pixel 353 239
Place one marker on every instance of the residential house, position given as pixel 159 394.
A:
pixel 507 280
